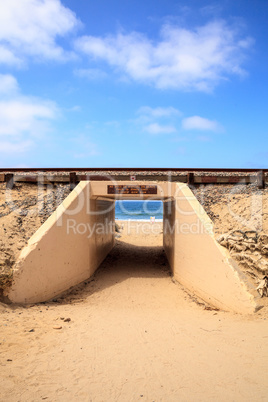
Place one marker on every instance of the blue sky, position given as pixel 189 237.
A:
pixel 87 83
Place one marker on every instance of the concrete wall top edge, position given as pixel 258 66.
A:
pixel 195 204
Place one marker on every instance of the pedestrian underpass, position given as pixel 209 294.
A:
pixel 76 238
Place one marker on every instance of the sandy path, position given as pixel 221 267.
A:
pixel 134 335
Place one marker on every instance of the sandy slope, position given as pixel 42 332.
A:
pixel 134 335
pixel 22 211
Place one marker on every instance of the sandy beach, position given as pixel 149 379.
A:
pixel 132 334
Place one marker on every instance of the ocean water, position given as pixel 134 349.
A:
pixel 138 210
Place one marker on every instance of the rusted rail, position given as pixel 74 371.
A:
pixel 133 169
pixel 191 176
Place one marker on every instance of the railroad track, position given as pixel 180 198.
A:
pixel 185 175
pixel 119 169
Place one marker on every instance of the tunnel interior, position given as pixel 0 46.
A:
pixel 138 250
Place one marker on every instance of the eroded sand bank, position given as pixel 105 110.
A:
pixel 133 335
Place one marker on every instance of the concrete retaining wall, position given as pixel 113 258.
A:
pixel 65 250
pixel 200 263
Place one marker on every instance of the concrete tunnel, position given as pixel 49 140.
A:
pixel 71 244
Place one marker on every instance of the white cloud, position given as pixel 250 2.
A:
pixel 30 28
pixel 25 116
pixel 159 111
pixel 183 59
pixel 200 123
pixel 8 57
pixel 158 120
pixel 156 128
pixel 23 119
pixel 168 120
pixel 8 84
pixel 17 147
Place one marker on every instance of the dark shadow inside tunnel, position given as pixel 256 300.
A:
pixel 124 261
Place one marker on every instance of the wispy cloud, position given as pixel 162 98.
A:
pixel 158 120
pixel 159 111
pixel 200 123
pixel 8 84
pixel 17 147
pixel 25 115
pixel 182 59
pixel 156 128
pixel 168 120
pixel 30 28
pixel 23 119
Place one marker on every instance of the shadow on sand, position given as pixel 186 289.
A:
pixel 123 262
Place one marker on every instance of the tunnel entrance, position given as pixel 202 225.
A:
pixel 139 219
pixel 69 247
pixel 138 250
